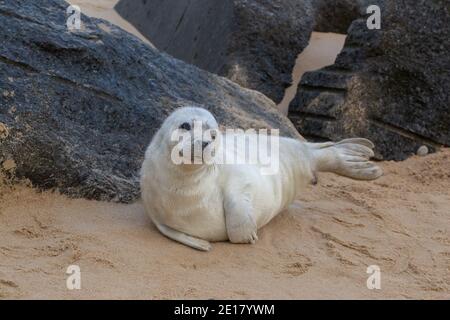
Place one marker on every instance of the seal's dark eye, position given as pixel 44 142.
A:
pixel 185 126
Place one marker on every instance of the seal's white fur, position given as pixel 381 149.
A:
pixel 195 204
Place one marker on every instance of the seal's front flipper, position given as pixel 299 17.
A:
pixel 183 238
pixel 349 158
pixel 240 223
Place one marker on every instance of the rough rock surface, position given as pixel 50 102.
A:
pixel 252 42
pixel 77 109
pixel 390 85
pixel 335 15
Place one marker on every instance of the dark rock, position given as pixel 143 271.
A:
pixel 252 42
pixel 390 85
pixel 77 109
pixel 336 15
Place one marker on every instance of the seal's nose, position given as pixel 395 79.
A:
pixel 205 144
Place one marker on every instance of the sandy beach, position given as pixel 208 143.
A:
pixel 319 248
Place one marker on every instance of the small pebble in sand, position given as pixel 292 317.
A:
pixel 422 151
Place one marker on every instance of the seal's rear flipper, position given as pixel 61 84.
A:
pixel 349 158
pixel 183 238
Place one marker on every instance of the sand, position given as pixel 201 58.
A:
pixel 319 248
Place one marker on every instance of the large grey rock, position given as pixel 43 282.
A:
pixel 390 85
pixel 252 42
pixel 77 109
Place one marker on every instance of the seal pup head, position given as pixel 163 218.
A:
pixel 191 138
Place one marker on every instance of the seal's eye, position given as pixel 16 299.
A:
pixel 185 126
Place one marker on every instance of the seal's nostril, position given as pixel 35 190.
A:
pixel 204 145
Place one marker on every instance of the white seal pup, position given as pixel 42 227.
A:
pixel 207 201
